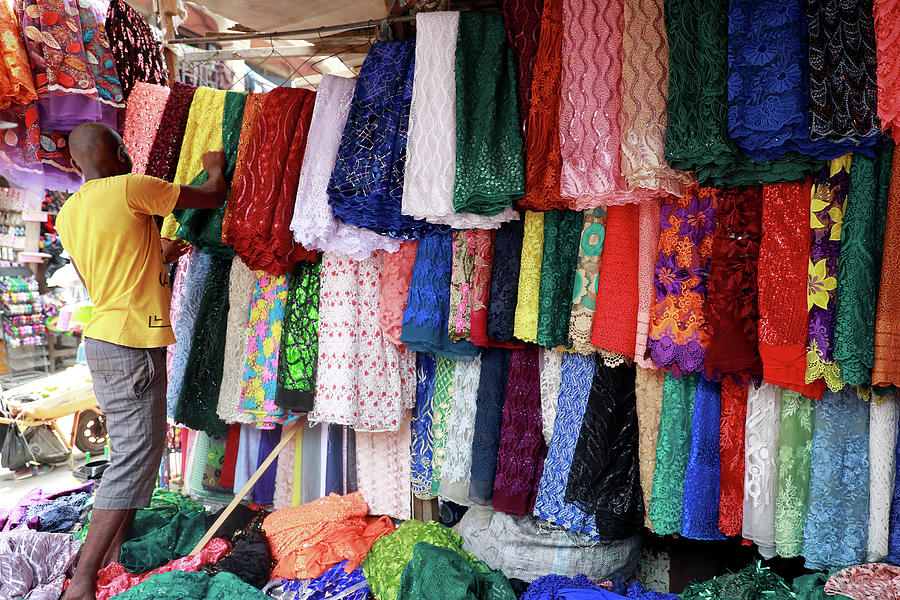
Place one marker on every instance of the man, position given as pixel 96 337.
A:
pixel 109 230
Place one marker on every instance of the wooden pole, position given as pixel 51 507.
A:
pixel 165 10
pixel 288 434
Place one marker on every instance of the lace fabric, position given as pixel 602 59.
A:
pixel 679 333
pixel 299 353
pixel 883 417
pixel 480 290
pixel 383 470
pixel 523 20
pixel 732 431
pixel 794 454
pixel 196 584
pixel 551 505
pixel 240 291
pixel 559 260
pixel 528 300
pixel 505 272
pixel 859 265
pixel 894 525
pixel 363 380
pixel 842 39
pixel 143 115
pixel 313 223
pixel 587 273
pixel 648 246
pixel 672 449
pixel 865 581
pixel 492 386
pixel 459 320
pixel 398 268
pixel 100 62
pixel 551 375
pixel 422 434
pixel 761 467
pixel 16 81
pixel 252 110
pixel 731 301
pixel 457 465
pixel 886 369
pixel 522 449
pixel 19 159
pixel 135 47
pixel 615 315
pixel 604 476
pixel 163 158
pixel 887 46
pixel 648 394
pixel 441 406
pixel 490 169
pixel 700 513
pixel 835 532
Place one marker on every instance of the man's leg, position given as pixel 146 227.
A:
pixel 104 526
pixel 115 546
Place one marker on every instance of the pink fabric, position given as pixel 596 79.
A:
pixel 177 294
pixel 142 117
pixel 876 581
pixel 395 290
pixel 383 471
pixel 887 46
pixel 648 233
pixel 589 113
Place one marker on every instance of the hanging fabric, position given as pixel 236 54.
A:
pixel 143 116
pixel 135 48
pixel 562 234
pixel 732 432
pixel 761 467
pixel 648 394
pixel 794 438
pixel 587 272
pixel 700 513
pixel 887 357
pixel 398 269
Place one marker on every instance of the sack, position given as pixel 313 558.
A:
pixel 45 446
pixel 14 453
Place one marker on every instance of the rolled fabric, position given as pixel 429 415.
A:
pixel 422 431
pixel 700 513
pixel 488 422
pixel 883 413
pixel 731 452
pixel 299 353
pixel 562 232
pixel 887 334
pixel 887 49
pixel 523 25
pixel 648 394
pixel 143 115
pixel 761 467
pixel 528 300
pixel 398 268
pixel 794 438
pixel 505 271
pixel 587 272
pixel 615 316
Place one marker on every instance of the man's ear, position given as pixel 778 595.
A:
pixel 125 158
pixel 76 166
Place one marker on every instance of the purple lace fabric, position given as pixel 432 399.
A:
pixel 34 565
pixel 163 159
pixel 522 447
pixel 488 422
pixel 135 48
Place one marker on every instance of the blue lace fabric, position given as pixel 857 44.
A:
pixel 551 505
pixel 488 421
pixel 334 584
pixel 428 305
pixel 422 435
pixel 700 512
pixel 636 591
pixel 894 527
pixel 837 519
pixel 505 281
pixel 548 587
pixel 58 515
pixel 367 181
pixel 768 82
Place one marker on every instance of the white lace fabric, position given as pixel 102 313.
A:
pixel 383 471
pixel 313 223
pixel 240 291
pixel 761 466
pixel 551 375
pixel 883 414
pixel 460 433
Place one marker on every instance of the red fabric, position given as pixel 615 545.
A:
pixel 615 318
pixel 783 267
pixel 481 291
pixel 731 454
pixel 231 451
pixel 114 579
pixel 523 20
pixel 262 199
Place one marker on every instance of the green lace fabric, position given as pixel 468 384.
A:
pixel 389 555
pixel 794 457
pixel 436 572
pixel 168 529
pixel 203 227
pixel 562 234
pixel 697 131
pixel 490 168
pixel 859 265
pixel 750 583
pixel 441 404
pixel 673 444
pixel 812 586
pixel 196 585
pixel 199 397
pixel 299 355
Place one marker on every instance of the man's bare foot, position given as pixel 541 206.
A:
pixel 80 588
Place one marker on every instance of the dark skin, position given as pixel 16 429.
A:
pixel 97 152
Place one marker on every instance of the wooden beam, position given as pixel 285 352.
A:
pixel 226 54
pixel 165 10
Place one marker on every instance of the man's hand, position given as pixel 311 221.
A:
pixel 173 249
pixel 210 194
pixel 214 162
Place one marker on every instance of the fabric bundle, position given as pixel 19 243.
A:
pixel 887 359
pixel 143 116
pixel 459 318
pixel 882 437
pixel 135 47
pixel 100 61
pixel 505 272
pixel 587 271
pixel 648 249
pixel 457 463
pixel 298 357
pixel 441 406
pixel 435 567
pixel 163 158
pixel 648 394
pixel 700 513
pixel 562 232
pixel 523 20
pixel 732 431
pixel 528 299
pixel 240 292
pixel 483 241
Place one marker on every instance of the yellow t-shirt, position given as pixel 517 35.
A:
pixel 108 229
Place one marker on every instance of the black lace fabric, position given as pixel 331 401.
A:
pixel 604 478
pixel 505 281
pixel 299 354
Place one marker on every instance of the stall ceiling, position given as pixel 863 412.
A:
pixel 280 15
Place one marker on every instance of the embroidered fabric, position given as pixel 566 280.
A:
pixel 459 320
pixel 648 245
pixel 490 168
pixel 882 436
pixel 859 265
pixel 894 527
pixel 299 353
pixel 590 111
pixel 886 14
pixel 422 434
pixel 886 369
pixel 839 470
pixel 753 581
pixel 604 476
pixel 505 271
pixel 795 441
pixel 700 513
pixel 367 181
pixel 587 273
pixel 383 470
pixel 543 158
pixel 16 81
pixel 672 448
pixel 135 47
pixel 528 300
pixel 441 405
pixel 252 110
pixel 492 386
pixel 551 375
pixel 523 25
pixel 862 582
pixel 163 158
pixel 841 40
pixel 731 453
pixel 19 159
pixel 398 268
pixel 559 260
pixel 240 291
pixel 434 567
pixel 551 504
pixel 100 62
pixel 143 115
pixel 284 471
pixel 645 90
pixel 761 466
pixel 480 290
pixel 457 463
pixel 615 315
pixel 731 301
pixel 648 394
pixel 679 333
pixel 427 314
pixel 363 381
pixel 313 222
pixel 522 449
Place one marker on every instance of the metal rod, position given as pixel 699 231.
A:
pixel 293 33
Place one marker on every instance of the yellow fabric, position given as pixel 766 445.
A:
pixel 527 305
pixel 297 487
pixel 108 229
pixel 202 134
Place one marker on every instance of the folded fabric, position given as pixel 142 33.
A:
pixel 761 467
pixel 700 514
pixel 441 406
pixel 523 24
pixel 398 269
pixel 887 339
pixel 383 470
pixel 16 81
pixel 459 319
pixel 794 437
pixel 648 250
pixel 163 158
pixel 436 572
pixel 335 583
pixel 135 48
pixel 143 116
pixel 888 69
pixel 528 300
pixel 178 585
pixel 861 582
pixel 648 393
pixel 240 293
pixel 883 426
pixel 615 314
pixel 298 357
pixel 457 465
pixel 492 385
pixel 505 271
pixel 562 232
pixel 35 564
pixel 586 274
pixel 480 291
pixel 422 434
pixel 732 427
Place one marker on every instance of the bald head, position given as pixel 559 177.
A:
pixel 98 151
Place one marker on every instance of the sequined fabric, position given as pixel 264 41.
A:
pixel 143 116
pixel 163 158
pixel 135 47
pixel 298 358
pixel 16 81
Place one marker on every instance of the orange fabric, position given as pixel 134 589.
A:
pixel 886 370
pixel 16 83
pixel 615 317
pixel 308 540
pixel 252 109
